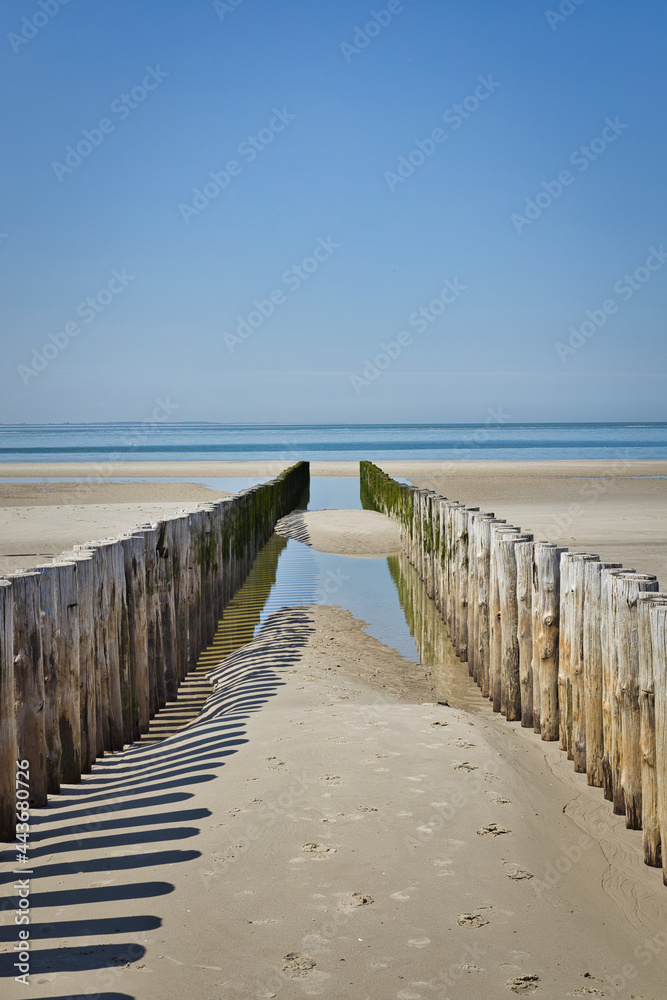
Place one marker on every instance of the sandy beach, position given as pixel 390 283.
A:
pixel 325 827
pixel 324 830
pixel 617 509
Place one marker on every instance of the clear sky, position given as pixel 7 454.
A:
pixel 472 194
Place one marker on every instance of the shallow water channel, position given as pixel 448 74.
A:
pixel 384 592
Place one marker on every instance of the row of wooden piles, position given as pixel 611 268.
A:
pixel 559 641
pixel 93 645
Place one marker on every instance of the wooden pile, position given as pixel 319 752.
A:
pixel 94 645
pixel 559 641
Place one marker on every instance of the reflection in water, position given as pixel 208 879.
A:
pixel 385 593
pixel 235 629
pixel 240 618
pixel 447 674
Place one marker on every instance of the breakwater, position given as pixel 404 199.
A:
pixel 559 641
pixel 94 644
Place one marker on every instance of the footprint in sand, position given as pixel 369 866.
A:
pixel 586 991
pixel 332 779
pixel 318 849
pixel 297 964
pixel 367 809
pixel 462 745
pixel 439 723
pixel 419 942
pixel 352 900
pixel 471 920
pixel 523 984
pixel 491 830
pixel 465 766
pixel 519 875
pixel 499 800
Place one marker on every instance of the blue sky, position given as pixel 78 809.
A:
pixel 271 294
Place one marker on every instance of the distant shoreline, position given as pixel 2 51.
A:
pixel 617 509
pixel 613 468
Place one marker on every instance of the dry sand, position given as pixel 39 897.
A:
pixel 345 532
pixel 39 521
pixel 322 831
pixel 144 470
pixel 616 510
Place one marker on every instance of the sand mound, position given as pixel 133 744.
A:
pixel 343 532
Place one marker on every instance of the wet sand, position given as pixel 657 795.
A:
pixel 344 532
pixel 324 829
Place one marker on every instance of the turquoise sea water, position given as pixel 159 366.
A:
pixel 101 443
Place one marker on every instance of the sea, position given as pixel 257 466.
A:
pixel 494 440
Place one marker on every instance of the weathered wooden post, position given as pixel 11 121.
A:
pixel 120 648
pixel 650 805
pixel 219 563
pixel 626 589
pixel 509 619
pixel 462 569
pixel 484 600
pixel 8 745
pixel 442 557
pixel 29 695
pixel 66 598
pixel 546 601
pixel 88 669
pixel 496 685
pixel 423 536
pixel 156 691
pixel 577 743
pixel 134 561
pixel 450 518
pixel 473 599
pixel 48 627
pixel 438 583
pixel 565 654
pixel 523 552
pixel 608 651
pixel 167 610
pixel 592 660
pixel 210 570
pixel 658 619
pixel 182 558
